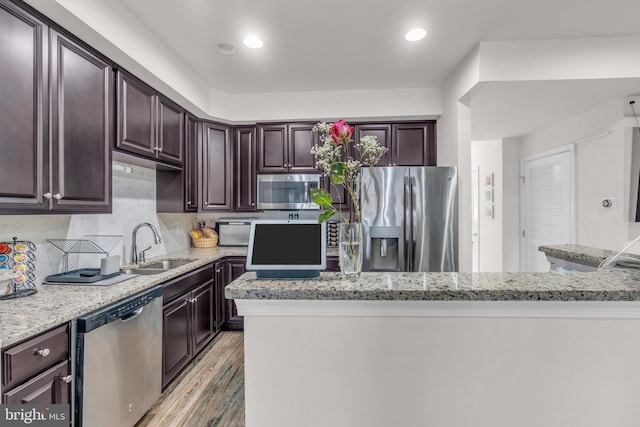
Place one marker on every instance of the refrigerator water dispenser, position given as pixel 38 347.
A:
pixel 386 250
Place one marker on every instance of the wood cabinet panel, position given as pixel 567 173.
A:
pixel 23 360
pixel 220 281
pixel 236 266
pixel 23 109
pixel 272 148
pixel 47 388
pixel 191 167
pixel 301 140
pixel 203 315
pixel 245 169
pixel 410 144
pixel 170 131
pixel 176 338
pixel 82 128
pixel 217 181
pixel 382 132
pixel 136 116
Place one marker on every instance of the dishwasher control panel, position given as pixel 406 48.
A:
pixel 119 309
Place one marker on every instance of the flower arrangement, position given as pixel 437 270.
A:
pixel 335 159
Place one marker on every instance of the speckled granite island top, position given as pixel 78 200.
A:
pixel 55 304
pixel 579 254
pixel 606 285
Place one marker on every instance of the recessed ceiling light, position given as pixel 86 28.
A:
pixel 415 34
pixel 253 42
pixel 226 48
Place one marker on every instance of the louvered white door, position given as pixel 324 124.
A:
pixel 546 205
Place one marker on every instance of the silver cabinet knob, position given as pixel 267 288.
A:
pixel 218 270
pixel 189 202
pixel 57 196
pixel 253 203
pixel 44 352
pixel 47 195
pixel 66 379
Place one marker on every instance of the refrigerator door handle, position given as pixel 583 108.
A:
pixel 408 203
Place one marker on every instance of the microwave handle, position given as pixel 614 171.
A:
pixel 306 192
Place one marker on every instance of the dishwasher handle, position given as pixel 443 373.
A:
pixel 132 315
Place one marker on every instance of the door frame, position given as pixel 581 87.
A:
pixel 524 194
pixel 475 219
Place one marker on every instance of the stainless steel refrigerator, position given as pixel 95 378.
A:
pixel 410 218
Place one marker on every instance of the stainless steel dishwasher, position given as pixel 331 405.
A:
pixel 119 361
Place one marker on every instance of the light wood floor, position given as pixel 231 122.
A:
pixel 209 392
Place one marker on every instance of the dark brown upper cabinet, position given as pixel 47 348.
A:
pixel 245 169
pixel 409 144
pixel 56 125
pixel 81 128
pixel 23 110
pixel 191 167
pixel 285 148
pixel 382 132
pixel 414 144
pixel 149 125
pixel 217 178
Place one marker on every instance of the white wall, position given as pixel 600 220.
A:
pixel 487 157
pixel 603 169
pixel 511 204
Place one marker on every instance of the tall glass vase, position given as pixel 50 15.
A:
pixel 350 240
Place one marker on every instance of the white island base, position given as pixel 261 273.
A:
pixel 441 363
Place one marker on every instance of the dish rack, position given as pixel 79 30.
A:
pixel 92 244
pixel 18 255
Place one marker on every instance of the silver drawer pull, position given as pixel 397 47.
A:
pixel 66 379
pixel 44 352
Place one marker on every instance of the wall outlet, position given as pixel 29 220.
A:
pixel 607 203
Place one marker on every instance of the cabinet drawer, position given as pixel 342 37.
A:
pixel 47 388
pixel 178 286
pixel 34 355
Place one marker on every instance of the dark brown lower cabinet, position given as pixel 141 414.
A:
pixel 188 319
pixel 333 263
pixel 236 266
pixel 49 387
pixel 38 370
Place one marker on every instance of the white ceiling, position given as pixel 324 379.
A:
pixel 312 45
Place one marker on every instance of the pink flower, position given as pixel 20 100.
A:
pixel 341 132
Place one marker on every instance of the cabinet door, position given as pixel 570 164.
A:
pixel 333 263
pixel 245 169
pixel 383 133
pixel 236 266
pixel 47 388
pixel 136 116
pixel 81 128
pixel 301 140
pixel 191 164
pixel 177 347
pixel 220 281
pixel 410 147
pixel 23 110
pixel 170 131
pixel 216 167
pixel 203 315
pixel 272 149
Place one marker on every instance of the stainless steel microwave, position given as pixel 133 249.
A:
pixel 287 191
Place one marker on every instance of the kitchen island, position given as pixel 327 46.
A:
pixel 442 349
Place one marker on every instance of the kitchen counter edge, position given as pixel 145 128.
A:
pixel 53 305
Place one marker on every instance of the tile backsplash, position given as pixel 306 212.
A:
pixel 133 202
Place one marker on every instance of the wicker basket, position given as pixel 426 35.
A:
pixel 210 242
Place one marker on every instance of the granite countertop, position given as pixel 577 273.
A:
pixel 579 254
pixel 606 285
pixel 56 304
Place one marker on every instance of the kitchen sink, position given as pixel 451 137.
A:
pixel 158 267
pixel 168 264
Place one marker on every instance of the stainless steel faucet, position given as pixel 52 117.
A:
pixel 134 245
